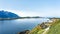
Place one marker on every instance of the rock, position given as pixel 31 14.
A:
pixel 24 32
pixel 43 26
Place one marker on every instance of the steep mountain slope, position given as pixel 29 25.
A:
pixel 5 14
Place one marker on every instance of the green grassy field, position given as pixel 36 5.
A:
pixel 55 28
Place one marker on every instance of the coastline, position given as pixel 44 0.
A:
pixel 43 27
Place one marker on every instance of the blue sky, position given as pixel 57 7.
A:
pixel 45 8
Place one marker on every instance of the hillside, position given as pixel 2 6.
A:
pixel 6 14
pixel 52 28
pixel 55 28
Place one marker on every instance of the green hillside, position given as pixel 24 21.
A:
pixel 39 29
pixel 36 30
pixel 54 28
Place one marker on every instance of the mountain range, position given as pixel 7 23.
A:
pixel 6 14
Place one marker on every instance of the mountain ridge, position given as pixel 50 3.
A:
pixel 6 14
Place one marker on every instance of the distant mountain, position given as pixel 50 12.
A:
pixel 6 14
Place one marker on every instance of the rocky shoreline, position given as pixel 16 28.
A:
pixel 44 25
pixel 24 32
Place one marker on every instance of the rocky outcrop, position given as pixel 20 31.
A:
pixel 24 32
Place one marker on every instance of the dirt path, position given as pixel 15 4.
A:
pixel 46 30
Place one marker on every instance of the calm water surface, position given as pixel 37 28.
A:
pixel 15 26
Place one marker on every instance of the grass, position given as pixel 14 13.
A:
pixel 55 28
pixel 40 32
pixel 37 30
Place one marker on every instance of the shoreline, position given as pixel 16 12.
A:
pixel 43 27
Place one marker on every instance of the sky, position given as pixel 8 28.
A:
pixel 44 8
